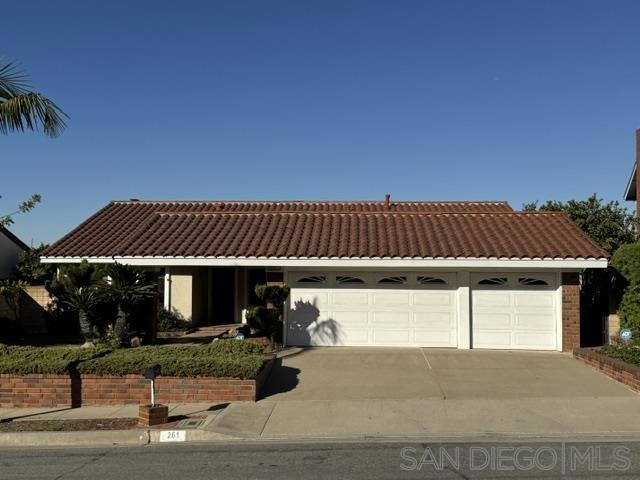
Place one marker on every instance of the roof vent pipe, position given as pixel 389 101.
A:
pixel 387 201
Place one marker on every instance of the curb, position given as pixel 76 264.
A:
pixel 87 438
pixel 140 437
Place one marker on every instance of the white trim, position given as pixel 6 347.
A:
pixel 167 289
pixel 463 308
pixel 314 263
pixel 627 191
pixel 559 308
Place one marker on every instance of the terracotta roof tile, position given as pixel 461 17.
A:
pixel 324 229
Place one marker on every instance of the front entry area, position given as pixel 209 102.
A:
pixel 372 309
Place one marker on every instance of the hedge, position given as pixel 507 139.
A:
pixel 26 360
pixel 626 353
pixel 225 358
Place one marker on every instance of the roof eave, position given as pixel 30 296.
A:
pixel 630 193
pixel 471 263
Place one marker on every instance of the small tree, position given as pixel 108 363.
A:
pixel 267 320
pixel 126 286
pixel 12 291
pixel 32 270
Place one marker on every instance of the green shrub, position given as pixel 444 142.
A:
pixel 25 360
pixel 172 321
pixel 276 295
pixel 262 319
pixel 626 260
pixel 629 309
pixel 224 358
pixel 626 353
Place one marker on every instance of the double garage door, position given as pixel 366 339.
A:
pixel 509 311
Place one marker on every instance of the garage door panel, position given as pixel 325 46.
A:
pixel 535 322
pixel 491 299
pixel 529 300
pixel 435 338
pixel 350 298
pixel 354 336
pixel 392 336
pixel 390 298
pixel 391 319
pixel 492 339
pixel 435 299
pixel 491 321
pixel 310 297
pixel 435 320
pixel 533 340
pixel 357 319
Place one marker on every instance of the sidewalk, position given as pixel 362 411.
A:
pixel 324 420
pixel 103 412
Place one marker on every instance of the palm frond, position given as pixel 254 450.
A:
pixel 22 109
pixel 31 111
pixel 13 81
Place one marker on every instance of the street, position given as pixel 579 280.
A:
pixel 372 460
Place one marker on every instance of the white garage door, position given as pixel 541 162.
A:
pixel 514 311
pixel 384 309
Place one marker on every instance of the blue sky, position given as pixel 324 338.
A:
pixel 426 100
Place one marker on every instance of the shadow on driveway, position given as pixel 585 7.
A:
pixel 281 380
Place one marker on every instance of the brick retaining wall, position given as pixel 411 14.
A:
pixel 625 373
pixel 37 390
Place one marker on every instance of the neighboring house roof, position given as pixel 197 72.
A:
pixel 7 233
pixel 630 192
pixel 325 230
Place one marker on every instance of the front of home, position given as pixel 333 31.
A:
pixel 375 273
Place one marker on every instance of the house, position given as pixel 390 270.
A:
pixel 379 273
pixel 631 192
pixel 11 247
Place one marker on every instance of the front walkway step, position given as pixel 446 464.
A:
pixel 242 419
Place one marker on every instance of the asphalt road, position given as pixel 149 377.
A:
pixel 310 461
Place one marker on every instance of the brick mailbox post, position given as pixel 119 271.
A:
pixel 153 413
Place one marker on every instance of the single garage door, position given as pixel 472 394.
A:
pixel 514 311
pixel 383 309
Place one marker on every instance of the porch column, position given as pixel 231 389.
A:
pixel 167 289
pixel 463 298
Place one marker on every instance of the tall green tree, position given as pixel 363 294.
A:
pixel 608 224
pixel 22 109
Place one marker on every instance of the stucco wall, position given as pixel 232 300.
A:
pixel 189 287
pixel 9 256
pixel 182 291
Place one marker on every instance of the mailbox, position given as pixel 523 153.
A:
pixel 150 373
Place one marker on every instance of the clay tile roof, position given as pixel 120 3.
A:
pixel 324 229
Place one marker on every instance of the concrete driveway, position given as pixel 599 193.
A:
pixel 427 393
pixel 414 373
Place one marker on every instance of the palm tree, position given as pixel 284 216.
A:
pixel 83 300
pixel 76 286
pixel 126 286
pixel 22 109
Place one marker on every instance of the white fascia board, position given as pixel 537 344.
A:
pixel 492 263
pixel 629 194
